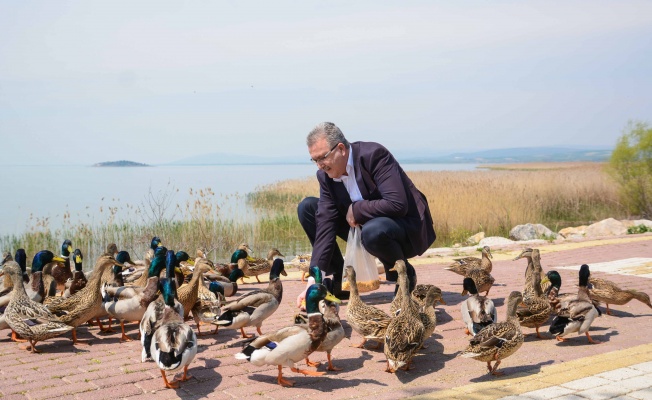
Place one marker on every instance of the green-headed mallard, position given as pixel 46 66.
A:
pixel 535 310
pixel 174 344
pixel 85 304
pixel 292 344
pixel 477 311
pixel 405 332
pixel 497 341
pixel 334 328
pixel 259 266
pixel 606 291
pixel 254 307
pixel 461 266
pixel 41 284
pixel 241 252
pixel 368 321
pixel 27 318
pixel 576 313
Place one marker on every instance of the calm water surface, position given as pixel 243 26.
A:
pixel 35 193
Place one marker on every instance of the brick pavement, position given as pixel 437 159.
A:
pixel 106 368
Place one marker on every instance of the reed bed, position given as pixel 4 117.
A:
pixel 462 203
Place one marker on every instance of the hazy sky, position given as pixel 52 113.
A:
pixel 89 81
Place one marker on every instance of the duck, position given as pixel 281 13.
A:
pixel 427 314
pixel 140 266
pixel 254 307
pixel 5 296
pixel 303 262
pixel 368 321
pixel 153 317
pixel 27 318
pixel 461 266
pixel 174 343
pixel 554 297
pixel 207 309
pixel 42 285
pixel 228 283
pixel 535 310
pixel 527 254
pixel 259 266
pixel 301 298
pixel 330 311
pixel 189 292
pixel 405 332
pixel 477 311
pixel 86 304
pixel 61 272
pixel 396 303
pixel 185 267
pixel 242 252
pixel 6 284
pixel 293 343
pixel 421 291
pixel 133 308
pixel 79 280
pixel 608 292
pixel 482 279
pixel 497 341
pixel 576 313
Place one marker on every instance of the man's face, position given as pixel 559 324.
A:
pixel 332 160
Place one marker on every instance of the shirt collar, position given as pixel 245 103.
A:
pixel 350 171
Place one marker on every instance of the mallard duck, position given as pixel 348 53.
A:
pixel 497 341
pixel 427 314
pixel 368 321
pixel 241 252
pixel 61 272
pixel 133 308
pixel 153 317
pixel 229 283
pixel 185 267
pixel 292 344
pixel 85 304
pixel 208 309
pixel 42 285
pixel 461 266
pixel 301 298
pixel 482 279
pixel 142 265
pixel 477 311
pixel 421 291
pixel 259 266
pixel 189 292
pixel 334 328
pixel 5 296
pixel 174 344
pixel 535 310
pixel 6 284
pixel 545 284
pixel 27 318
pixel 396 303
pixel 606 291
pixel 576 313
pixel 405 332
pixel 303 262
pixel 78 278
pixel 254 307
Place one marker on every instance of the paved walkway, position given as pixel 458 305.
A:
pixel 542 368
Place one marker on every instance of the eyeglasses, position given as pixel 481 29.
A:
pixel 325 156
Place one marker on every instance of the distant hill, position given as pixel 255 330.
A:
pixel 121 163
pixel 511 155
pixel 516 155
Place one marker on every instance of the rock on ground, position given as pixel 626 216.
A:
pixel 531 232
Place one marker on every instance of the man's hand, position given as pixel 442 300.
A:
pixel 350 218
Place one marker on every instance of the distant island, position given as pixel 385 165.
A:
pixel 121 163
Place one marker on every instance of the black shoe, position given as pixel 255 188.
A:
pixel 338 292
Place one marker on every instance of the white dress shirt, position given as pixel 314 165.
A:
pixel 349 181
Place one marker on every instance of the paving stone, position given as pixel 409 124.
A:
pixel 645 367
pixel 635 383
pixel 548 393
pixel 61 390
pixel 620 374
pixel 587 383
pixel 603 392
pixel 113 392
pixel 643 394
pixel 570 397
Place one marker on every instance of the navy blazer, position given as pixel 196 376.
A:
pixel 386 191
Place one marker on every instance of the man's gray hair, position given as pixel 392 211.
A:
pixel 330 132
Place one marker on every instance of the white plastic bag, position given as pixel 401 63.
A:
pixel 364 264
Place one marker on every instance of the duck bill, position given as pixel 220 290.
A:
pixel 465 292
pixel 442 301
pixel 284 273
pixel 332 298
pixel 545 280
pixel 58 259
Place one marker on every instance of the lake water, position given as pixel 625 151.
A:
pixel 33 193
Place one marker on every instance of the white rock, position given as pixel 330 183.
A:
pixel 607 227
pixel 495 241
pixel 645 222
pixel 571 232
pixel 475 239
pixel 531 232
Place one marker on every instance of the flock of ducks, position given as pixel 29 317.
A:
pixel 167 288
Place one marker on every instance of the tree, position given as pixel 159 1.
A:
pixel 631 166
